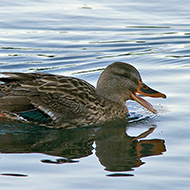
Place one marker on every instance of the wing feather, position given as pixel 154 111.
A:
pixel 59 97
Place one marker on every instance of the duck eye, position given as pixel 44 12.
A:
pixel 125 75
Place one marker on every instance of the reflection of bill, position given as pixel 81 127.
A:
pixel 124 153
pixel 150 147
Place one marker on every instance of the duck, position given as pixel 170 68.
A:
pixel 67 102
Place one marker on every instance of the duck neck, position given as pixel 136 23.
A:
pixel 110 95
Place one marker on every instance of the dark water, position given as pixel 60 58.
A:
pixel 80 38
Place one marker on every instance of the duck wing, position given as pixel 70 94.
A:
pixel 58 97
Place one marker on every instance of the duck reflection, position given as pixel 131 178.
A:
pixel 115 149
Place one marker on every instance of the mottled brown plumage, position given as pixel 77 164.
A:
pixel 68 102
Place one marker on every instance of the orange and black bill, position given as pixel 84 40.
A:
pixel 146 91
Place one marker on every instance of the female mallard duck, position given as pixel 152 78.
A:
pixel 65 102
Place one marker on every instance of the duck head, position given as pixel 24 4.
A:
pixel 121 81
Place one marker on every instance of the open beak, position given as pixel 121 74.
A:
pixel 146 91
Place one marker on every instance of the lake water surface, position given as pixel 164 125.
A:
pixel 80 38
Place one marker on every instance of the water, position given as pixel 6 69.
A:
pixel 80 38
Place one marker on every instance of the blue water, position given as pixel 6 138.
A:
pixel 80 38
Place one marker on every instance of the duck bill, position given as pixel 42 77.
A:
pixel 143 103
pixel 146 91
